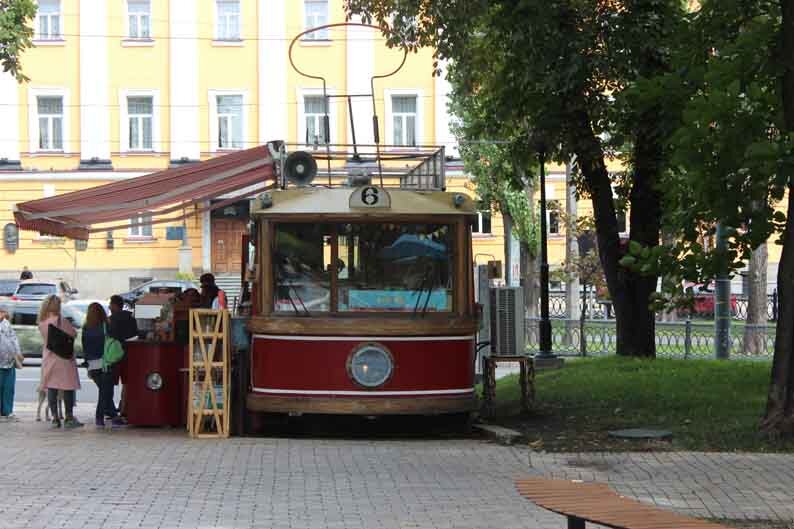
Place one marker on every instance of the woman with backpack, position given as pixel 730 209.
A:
pixel 94 333
pixel 10 360
pixel 58 368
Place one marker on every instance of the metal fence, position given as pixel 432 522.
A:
pixel 683 339
pixel 597 309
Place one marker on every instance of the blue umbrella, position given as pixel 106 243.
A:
pixel 410 246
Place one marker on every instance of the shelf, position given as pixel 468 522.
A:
pixel 209 364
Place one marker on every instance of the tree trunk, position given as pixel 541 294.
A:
pixel 779 418
pixel 530 270
pixel 630 292
pixel 755 324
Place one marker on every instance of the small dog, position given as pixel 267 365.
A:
pixel 42 393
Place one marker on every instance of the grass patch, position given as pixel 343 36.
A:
pixel 707 404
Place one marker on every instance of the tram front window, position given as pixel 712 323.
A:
pixel 301 265
pixel 379 267
pixel 395 267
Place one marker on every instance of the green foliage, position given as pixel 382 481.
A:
pixel 185 276
pixel 729 159
pixel 15 34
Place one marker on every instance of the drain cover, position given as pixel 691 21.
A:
pixel 641 433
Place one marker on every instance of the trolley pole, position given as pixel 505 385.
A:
pixel 545 324
pixel 722 303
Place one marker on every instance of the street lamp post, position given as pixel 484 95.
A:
pixel 545 324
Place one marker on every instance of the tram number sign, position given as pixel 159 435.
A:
pixel 370 197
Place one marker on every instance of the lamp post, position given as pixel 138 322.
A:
pixel 545 324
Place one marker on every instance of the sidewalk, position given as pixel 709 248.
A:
pixel 154 478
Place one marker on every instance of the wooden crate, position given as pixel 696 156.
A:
pixel 208 401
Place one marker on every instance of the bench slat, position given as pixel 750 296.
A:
pixel 597 503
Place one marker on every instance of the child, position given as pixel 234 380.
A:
pixel 10 358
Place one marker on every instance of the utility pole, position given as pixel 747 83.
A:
pixel 545 324
pixel 722 301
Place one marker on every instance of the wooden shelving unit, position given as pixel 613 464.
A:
pixel 208 405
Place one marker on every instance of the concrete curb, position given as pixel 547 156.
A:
pixel 500 434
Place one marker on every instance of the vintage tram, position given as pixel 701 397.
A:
pixel 364 299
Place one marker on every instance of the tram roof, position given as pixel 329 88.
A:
pixel 359 201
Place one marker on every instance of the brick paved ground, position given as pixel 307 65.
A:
pixel 160 478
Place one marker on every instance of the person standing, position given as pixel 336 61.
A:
pixel 93 338
pixel 26 274
pixel 212 297
pixel 10 359
pixel 58 373
pixel 122 327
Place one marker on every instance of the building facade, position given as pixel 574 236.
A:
pixel 123 88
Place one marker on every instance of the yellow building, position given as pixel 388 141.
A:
pixel 123 88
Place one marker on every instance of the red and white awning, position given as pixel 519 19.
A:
pixel 165 195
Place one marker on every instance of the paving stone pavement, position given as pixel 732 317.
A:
pixel 152 478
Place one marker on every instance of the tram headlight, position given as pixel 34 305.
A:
pixel 371 365
pixel 154 381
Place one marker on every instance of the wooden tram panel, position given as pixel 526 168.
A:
pixel 598 504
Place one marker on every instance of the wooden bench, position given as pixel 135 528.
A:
pixel 598 504
pixel 526 379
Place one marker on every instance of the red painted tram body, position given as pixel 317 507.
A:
pixel 364 302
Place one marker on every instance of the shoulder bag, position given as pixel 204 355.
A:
pixel 59 342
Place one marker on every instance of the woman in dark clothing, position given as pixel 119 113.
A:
pixel 93 349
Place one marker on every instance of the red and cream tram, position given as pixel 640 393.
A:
pixel 364 301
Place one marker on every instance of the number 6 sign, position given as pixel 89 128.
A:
pixel 370 197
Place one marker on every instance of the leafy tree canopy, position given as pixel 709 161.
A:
pixel 15 34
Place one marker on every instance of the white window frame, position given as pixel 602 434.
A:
pixel 388 121
pixel 33 118
pixel 136 232
pixel 138 16
pixel 549 211
pixel 332 113
pixel 317 36
pixel 124 117
pixel 628 228
pixel 216 22
pixel 212 96
pixel 50 36
pixel 478 232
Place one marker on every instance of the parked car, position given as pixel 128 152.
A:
pixel 704 299
pixel 7 289
pixel 158 286
pixel 25 302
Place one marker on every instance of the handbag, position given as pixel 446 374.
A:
pixel 59 342
pixel 113 351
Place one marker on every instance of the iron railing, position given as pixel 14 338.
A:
pixel 683 339
pixel 599 309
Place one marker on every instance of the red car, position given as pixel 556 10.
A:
pixel 704 298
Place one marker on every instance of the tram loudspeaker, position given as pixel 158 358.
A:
pixel 300 168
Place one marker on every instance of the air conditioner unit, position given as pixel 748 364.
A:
pixel 507 321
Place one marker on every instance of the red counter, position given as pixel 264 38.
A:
pixel 165 406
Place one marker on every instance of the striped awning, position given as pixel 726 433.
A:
pixel 166 196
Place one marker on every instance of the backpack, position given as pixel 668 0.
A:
pixel 113 351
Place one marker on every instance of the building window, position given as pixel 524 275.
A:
pixel 316 14
pixel 230 121
pixel 314 112
pixel 141 226
pixel 482 224
pixel 50 118
pixel 139 16
pixel 48 20
pixel 553 217
pixel 140 116
pixel 228 14
pixel 403 110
